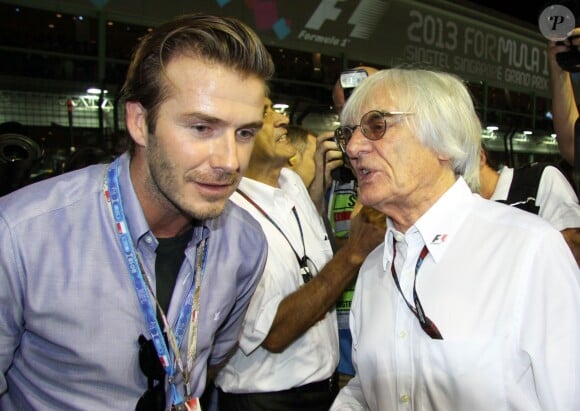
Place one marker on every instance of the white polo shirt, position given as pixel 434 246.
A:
pixel 556 198
pixel 314 356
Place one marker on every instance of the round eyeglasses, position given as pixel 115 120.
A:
pixel 373 125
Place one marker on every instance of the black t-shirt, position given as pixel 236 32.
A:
pixel 170 256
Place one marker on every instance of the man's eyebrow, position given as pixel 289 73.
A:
pixel 215 120
pixel 256 124
pixel 201 117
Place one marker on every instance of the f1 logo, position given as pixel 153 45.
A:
pixel 365 17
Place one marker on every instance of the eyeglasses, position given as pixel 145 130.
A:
pixel 154 398
pixel 372 124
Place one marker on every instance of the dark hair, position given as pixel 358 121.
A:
pixel 298 136
pixel 223 40
pixel 488 160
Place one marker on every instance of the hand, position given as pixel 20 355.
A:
pixel 555 47
pixel 327 157
pixel 367 231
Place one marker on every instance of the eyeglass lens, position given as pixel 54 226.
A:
pixel 373 126
pixel 154 398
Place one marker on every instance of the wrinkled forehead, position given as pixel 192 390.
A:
pixel 366 99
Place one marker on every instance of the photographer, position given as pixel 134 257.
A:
pixel 564 107
pixel 334 192
pixel 333 189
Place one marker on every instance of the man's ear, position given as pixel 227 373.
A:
pixel 136 118
pixel 443 157
pixel 293 160
pixel 482 158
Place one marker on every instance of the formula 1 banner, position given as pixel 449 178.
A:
pixel 435 34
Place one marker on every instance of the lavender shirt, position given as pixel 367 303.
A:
pixel 69 315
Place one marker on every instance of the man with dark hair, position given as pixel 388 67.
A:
pixel 123 286
pixel 539 188
pixel 303 162
pixel 334 191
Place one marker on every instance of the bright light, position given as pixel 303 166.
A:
pixel 280 106
pixel 492 128
pixel 527 132
pixel 95 90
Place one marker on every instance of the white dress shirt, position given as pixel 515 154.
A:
pixel 314 356
pixel 503 289
pixel 556 198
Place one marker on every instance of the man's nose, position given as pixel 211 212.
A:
pixel 224 152
pixel 355 143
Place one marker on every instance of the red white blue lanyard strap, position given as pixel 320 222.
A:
pixel 425 322
pixel 188 316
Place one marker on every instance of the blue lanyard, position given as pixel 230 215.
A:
pixel 167 358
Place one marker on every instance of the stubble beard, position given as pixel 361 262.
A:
pixel 167 187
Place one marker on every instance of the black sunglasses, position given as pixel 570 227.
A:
pixel 372 124
pixel 153 399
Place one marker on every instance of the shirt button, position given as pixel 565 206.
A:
pixel 403 334
pixel 148 240
pixel 404 398
pixel 399 237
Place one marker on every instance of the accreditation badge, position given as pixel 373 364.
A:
pixel 193 405
pixel 189 405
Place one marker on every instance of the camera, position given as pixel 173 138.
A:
pixel 570 60
pixel 350 79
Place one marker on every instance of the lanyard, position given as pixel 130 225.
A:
pixel 426 324
pixel 187 319
pixel 302 261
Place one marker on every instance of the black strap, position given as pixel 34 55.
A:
pixel 302 261
pixel 524 188
pixel 425 322
pixel 330 233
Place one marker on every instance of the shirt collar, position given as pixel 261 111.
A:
pixel 136 221
pixel 438 226
pixel 272 198
pixel 504 182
